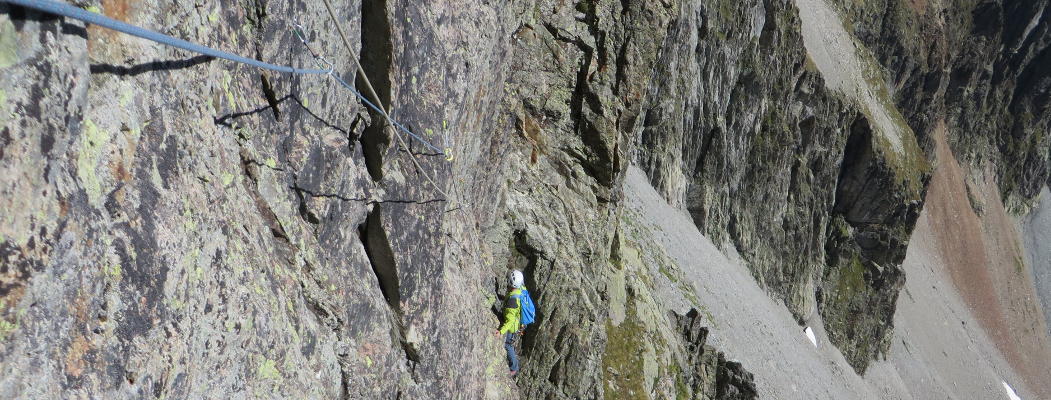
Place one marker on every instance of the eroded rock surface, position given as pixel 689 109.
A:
pixel 176 226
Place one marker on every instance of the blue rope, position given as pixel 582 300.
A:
pixel 67 10
pixel 52 7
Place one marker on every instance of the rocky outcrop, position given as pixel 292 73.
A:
pixel 184 227
pixel 980 65
pixel 274 231
pixel 169 216
pixel 741 130
pixel 573 95
pixel 730 380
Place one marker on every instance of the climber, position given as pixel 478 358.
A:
pixel 519 311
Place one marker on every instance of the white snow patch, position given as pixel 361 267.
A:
pixel 1010 392
pixel 810 335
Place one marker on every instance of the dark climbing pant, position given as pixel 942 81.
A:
pixel 509 344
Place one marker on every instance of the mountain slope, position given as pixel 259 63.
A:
pixel 687 184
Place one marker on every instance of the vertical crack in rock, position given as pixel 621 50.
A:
pixel 271 96
pixel 256 19
pixel 315 299
pixel 376 59
pixel 381 257
pixel 597 158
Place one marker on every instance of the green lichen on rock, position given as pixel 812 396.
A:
pixel 851 280
pixel 622 361
pixel 267 369
pixel 857 297
pixel 8 42
pixel 6 328
pixel 92 144
pixel 113 271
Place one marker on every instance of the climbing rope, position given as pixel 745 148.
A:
pixel 321 61
pixel 66 10
pixel 401 142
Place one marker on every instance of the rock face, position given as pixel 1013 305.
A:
pixel 741 130
pixel 731 381
pixel 181 227
pixel 273 238
pixel 177 226
pixel 980 65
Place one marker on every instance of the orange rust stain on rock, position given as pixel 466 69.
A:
pixel 117 169
pixel 531 131
pixel 11 298
pixel 116 9
pixel 80 346
pixel 75 356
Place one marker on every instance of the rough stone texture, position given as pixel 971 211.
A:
pixel 731 381
pixel 576 86
pixel 741 131
pixel 981 65
pixel 182 227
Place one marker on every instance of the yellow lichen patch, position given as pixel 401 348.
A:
pixel 188 223
pixel 227 178
pixel 93 140
pixel 126 96
pixel 268 370
pixel 176 304
pixel 226 80
pixel 8 43
pixel 113 271
pixel 6 329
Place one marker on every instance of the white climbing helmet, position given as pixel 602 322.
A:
pixel 517 279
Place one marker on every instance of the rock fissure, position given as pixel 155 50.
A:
pixel 376 59
pixel 385 268
pixel 287 266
